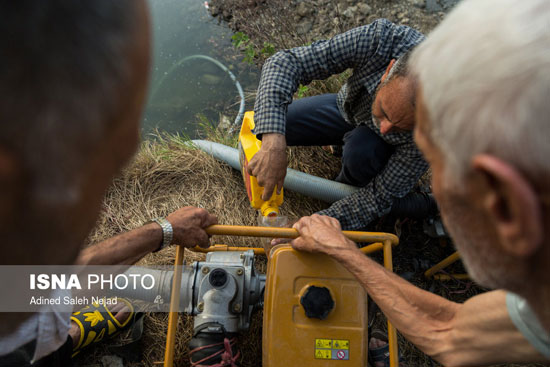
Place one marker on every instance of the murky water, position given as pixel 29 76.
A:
pixel 195 90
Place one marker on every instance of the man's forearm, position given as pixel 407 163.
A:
pixel 123 249
pixel 420 316
pixel 478 332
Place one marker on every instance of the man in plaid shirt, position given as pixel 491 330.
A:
pixel 372 116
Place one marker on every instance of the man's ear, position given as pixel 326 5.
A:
pixel 387 70
pixel 511 204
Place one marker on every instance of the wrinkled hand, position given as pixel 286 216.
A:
pixel 269 164
pixel 279 241
pixel 319 233
pixel 188 224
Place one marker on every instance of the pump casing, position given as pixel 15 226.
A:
pixel 315 312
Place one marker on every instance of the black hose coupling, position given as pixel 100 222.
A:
pixel 211 345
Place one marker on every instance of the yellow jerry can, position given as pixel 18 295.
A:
pixel 315 312
pixel 249 145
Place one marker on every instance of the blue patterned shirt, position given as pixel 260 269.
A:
pixel 367 50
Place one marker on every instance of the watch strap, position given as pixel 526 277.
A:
pixel 167 232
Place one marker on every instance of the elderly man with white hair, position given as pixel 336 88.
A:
pixel 483 125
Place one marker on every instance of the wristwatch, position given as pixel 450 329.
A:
pixel 167 232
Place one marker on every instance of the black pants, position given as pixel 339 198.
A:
pixel 23 356
pixel 317 121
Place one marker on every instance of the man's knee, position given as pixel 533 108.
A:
pixel 365 154
pixel 315 121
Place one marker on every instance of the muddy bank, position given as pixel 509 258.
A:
pixel 292 23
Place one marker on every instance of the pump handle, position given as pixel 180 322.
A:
pixel 277 232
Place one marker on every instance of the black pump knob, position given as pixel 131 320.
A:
pixel 317 302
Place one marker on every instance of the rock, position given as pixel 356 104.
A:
pixel 211 79
pixel 405 20
pixel 350 12
pixel 225 122
pixel 304 9
pixel 304 27
pixel 342 5
pixel 364 9
pixel 326 31
pixel 214 11
pixel 433 6
pixel 227 15
pixel 418 3
pixel 111 361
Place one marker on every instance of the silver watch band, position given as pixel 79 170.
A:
pixel 167 232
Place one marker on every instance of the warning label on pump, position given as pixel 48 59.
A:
pixel 340 344
pixel 332 349
pixel 323 343
pixel 323 353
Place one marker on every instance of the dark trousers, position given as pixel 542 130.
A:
pixel 317 121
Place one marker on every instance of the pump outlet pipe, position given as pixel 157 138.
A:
pixel 303 183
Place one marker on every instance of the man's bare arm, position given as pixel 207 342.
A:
pixel 125 249
pixel 474 333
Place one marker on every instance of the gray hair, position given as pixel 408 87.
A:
pixel 62 67
pixel 401 66
pixel 400 69
pixel 485 77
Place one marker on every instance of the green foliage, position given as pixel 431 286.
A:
pixel 268 50
pixel 302 91
pixel 242 42
pixel 249 54
pixel 216 134
pixel 239 39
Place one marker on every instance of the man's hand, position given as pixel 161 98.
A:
pixel 319 233
pixel 269 164
pixel 188 224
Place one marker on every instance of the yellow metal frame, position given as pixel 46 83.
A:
pixel 431 272
pixel 379 241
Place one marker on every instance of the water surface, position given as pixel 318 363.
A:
pixel 182 28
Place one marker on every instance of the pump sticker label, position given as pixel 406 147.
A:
pixel 323 343
pixel 337 349
pixel 323 353
pixel 340 344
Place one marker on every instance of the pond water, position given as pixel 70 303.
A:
pixel 182 94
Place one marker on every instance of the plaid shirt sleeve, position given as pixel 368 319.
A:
pixel 401 173
pixel 286 70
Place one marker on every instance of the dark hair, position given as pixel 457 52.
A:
pixel 61 68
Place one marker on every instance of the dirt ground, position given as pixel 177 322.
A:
pixel 167 174
pixel 299 22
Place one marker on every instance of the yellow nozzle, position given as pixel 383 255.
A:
pixel 268 209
